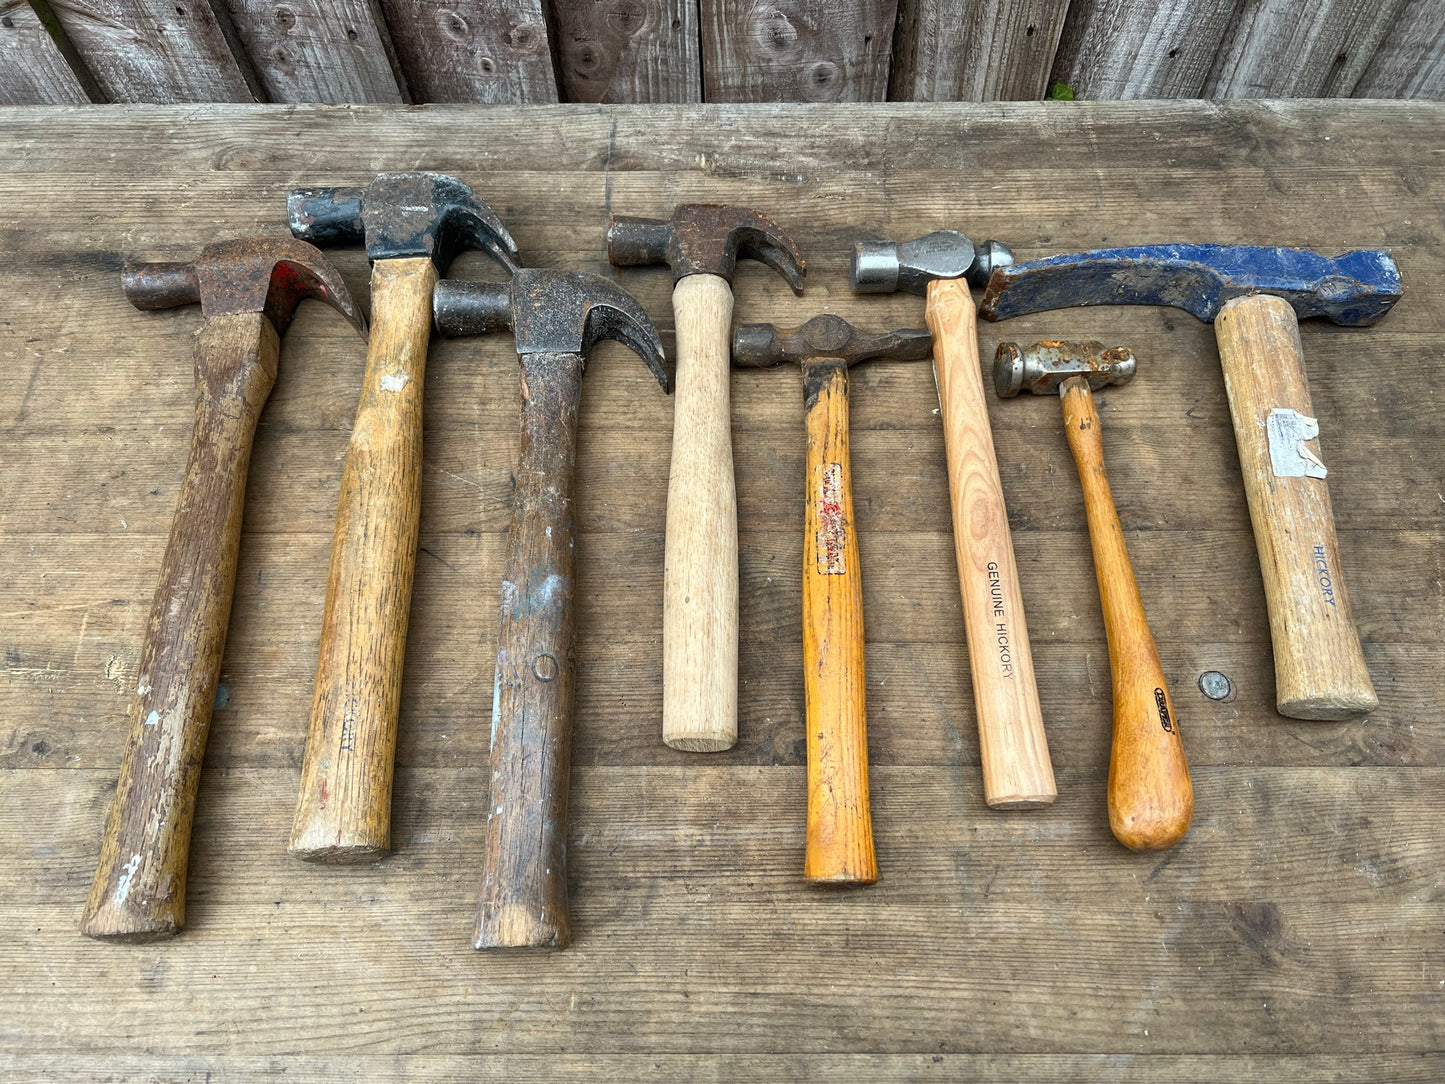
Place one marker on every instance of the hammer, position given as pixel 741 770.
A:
pixel 702 242
pixel 248 291
pixel 1015 754
pixel 556 317
pixel 1255 297
pixel 413 225
pixel 840 827
pixel 1151 800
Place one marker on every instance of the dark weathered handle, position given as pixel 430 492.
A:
pixel 524 893
pixel 139 892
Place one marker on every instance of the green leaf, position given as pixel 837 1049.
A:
pixel 1061 92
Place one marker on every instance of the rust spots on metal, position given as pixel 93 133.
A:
pixel 706 239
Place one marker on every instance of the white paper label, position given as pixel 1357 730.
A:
pixel 1288 431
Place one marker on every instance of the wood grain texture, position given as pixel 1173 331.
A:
pixel 840 825
pixel 627 50
pixel 1410 62
pixel 970 51
pixel 1141 48
pixel 154 50
pixel 1320 669
pixel 139 891
pixel 1017 772
pixel 796 50
pixel 343 810
pixel 1151 800
pixel 700 576
pixel 316 50
pixel 473 51
pixel 33 71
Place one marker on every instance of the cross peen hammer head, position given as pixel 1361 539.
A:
pixel 705 239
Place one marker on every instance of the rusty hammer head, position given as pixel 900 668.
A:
pixel 259 274
pixel 550 312
pixel 883 267
pixel 705 239
pixel 403 215
pixel 1355 288
pixel 1043 367
pixel 763 346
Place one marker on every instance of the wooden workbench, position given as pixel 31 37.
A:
pixel 1299 930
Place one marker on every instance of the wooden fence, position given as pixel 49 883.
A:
pixel 336 51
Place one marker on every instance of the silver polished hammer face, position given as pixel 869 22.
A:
pixel 883 267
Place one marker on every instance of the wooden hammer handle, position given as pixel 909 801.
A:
pixel 1320 670
pixel 700 578
pixel 343 812
pixel 524 893
pixel 139 892
pixel 1151 799
pixel 1015 754
pixel 840 827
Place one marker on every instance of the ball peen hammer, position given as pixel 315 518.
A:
pixel 413 224
pixel 1151 799
pixel 248 291
pixel 1255 296
pixel 840 824
pixel 556 317
pixel 1017 772
pixel 702 243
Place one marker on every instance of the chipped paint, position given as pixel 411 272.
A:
pixel 394 381
pixel 122 887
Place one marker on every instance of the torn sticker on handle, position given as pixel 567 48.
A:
pixel 832 536
pixel 1288 432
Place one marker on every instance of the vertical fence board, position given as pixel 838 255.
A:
pixel 32 69
pixel 1273 50
pixel 1141 48
pixel 165 51
pixel 327 51
pixel 1410 62
pixel 476 51
pixel 974 50
pixel 625 51
pixel 796 50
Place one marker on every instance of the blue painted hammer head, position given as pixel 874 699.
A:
pixel 1356 288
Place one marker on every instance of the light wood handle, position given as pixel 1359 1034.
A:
pixel 1319 667
pixel 343 812
pixel 139 892
pixel 1015 754
pixel 840 827
pixel 700 577
pixel 524 891
pixel 1151 800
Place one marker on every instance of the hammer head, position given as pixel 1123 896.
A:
pixel 1355 288
pixel 402 215
pixel 705 239
pixel 550 312
pixel 882 267
pixel 259 274
pixel 1042 367
pixel 762 346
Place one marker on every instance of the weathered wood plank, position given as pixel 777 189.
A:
pixel 796 50
pixel 1410 62
pixel 958 50
pixel 473 51
pixel 154 50
pixel 33 71
pixel 314 51
pixel 1140 48
pixel 627 50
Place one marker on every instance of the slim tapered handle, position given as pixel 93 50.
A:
pixel 1017 772
pixel 343 812
pixel 840 826
pixel 1151 799
pixel 700 577
pixel 524 890
pixel 1319 667
pixel 139 892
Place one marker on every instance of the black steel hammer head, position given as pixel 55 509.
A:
pixel 258 274
pixel 1355 288
pixel 1044 366
pixel 403 215
pixel 705 239
pixel 883 267
pixel 763 346
pixel 550 312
